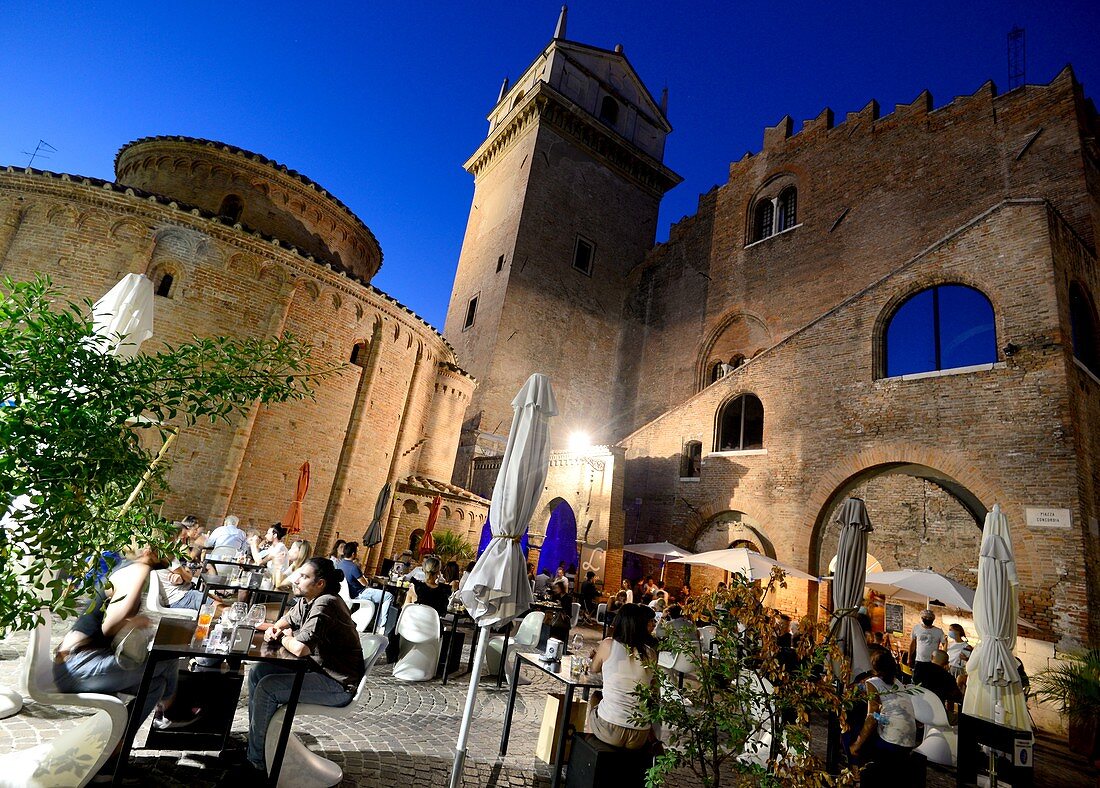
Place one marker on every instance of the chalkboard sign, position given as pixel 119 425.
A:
pixel 895 618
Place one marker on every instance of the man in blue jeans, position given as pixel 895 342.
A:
pixel 358 589
pixel 319 627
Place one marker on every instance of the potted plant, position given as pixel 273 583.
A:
pixel 742 717
pixel 450 546
pixel 1074 688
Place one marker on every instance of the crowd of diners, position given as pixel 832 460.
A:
pixel 318 625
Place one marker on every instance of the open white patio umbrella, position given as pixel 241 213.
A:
pixel 497 590
pixel 992 675
pixel 662 550
pixel 742 561
pixel 921 585
pixel 848 582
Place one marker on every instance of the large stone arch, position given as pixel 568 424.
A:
pixel 952 474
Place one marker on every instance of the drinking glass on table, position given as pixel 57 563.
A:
pixel 256 615
pixel 236 612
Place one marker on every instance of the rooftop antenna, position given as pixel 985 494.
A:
pixel 1017 58
pixel 40 152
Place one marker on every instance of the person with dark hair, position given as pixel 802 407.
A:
pixel 451 573
pixel 319 627
pixel 890 731
pixel 621 659
pixel 560 621
pixel 348 566
pixel 274 553
pixel 589 595
pixel 337 550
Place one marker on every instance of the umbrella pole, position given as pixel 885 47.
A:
pixel 468 712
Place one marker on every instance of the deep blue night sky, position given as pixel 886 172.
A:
pixel 381 103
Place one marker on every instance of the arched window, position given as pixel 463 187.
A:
pixel 359 354
pixel 163 280
pixel 231 208
pixel 1085 328
pixel 691 460
pixel 943 327
pixel 518 99
pixel 715 371
pixel 762 220
pixel 787 203
pixel 609 111
pixel 164 286
pixel 741 424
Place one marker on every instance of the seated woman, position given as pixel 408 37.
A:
pixel 86 660
pixel 296 555
pixel 620 659
pixel 890 731
pixel 431 591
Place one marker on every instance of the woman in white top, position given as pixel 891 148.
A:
pixel 890 731
pixel 958 650
pixel 620 659
pixel 274 556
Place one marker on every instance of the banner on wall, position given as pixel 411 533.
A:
pixel 593 559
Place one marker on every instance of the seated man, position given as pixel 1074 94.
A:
pixel 939 679
pixel 590 595
pixel 227 535
pixel 358 588
pixel 319 626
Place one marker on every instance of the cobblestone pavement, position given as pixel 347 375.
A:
pixel 403 735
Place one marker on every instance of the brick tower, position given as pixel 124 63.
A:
pixel 567 186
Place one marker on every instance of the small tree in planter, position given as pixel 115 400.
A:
pixel 72 421
pixel 1074 689
pixel 450 546
pixel 743 717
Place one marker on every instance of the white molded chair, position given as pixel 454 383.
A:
pixel 576 614
pixel 362 610
pixel 73 757
pixel 601 613
pixel 527 636
pixel 156 601
pixel 418 628
pixel 940 744
pixel 303 768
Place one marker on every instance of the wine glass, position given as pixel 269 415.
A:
pixel 256 615
pixel 236 612
pixel 577 644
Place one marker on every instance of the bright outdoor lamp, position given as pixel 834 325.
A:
pixel 579 442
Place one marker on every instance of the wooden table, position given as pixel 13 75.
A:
pixel 562 672
pixel 175 639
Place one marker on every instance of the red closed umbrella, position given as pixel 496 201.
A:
pixel 293 519
pixel 427 544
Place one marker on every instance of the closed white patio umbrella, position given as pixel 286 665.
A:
pixel 742 561
pixel 848 582
pixel 497 590
pixel 923 586
pixel 123 318
pixel 992 677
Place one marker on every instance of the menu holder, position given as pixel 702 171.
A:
pixel 242 639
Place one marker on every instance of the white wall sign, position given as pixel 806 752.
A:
pixel 1048 518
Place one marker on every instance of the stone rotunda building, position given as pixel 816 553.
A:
pixel 238 245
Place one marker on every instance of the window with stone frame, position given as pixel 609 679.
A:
pixel 609 111
pixel 740 424
pixel 231 208
pixel 584 251
pixel 164 281
pixel 471 312
pixel 359 353
pixel 947 326
pixel 775 209
pixel 1085 327
pixel 691 460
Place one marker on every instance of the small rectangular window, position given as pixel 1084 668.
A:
pixel 583 252
pixel 471 311
pixel 500 263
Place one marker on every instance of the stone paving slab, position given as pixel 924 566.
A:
pixel 403 736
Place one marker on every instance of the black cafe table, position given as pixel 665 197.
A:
pixel 174 640
pixel 254 595
pixel 561 671
pixel 451 622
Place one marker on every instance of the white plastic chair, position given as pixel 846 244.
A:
pixel 940 744
pixel 418 628
pixel 576 614
pixel 77 754
pixel 601 613
pixel 527 636
pixel 303 768
pixel 362 610
pixel 156 601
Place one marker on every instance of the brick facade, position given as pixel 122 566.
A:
pixel 394 413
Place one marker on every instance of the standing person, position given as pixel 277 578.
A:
pixel 319 626
pixel 926 639
pixel 958 650
pixel 889 733
pixel 626 589
pixel 621 659
pixel 274 555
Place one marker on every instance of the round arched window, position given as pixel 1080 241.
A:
pixel 741 424
pixel 943 327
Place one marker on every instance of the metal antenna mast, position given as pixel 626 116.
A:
pixel 40 152
pixel 1017 58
